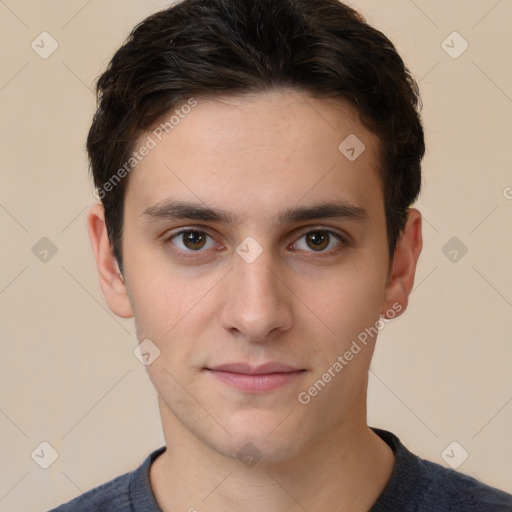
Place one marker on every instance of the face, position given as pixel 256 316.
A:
pixel 255 255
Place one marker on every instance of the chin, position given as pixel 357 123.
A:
pixel 250 450
pixel 265 436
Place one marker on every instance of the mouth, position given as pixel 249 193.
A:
pixel 255 379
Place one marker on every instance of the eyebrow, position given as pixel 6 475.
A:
pixel 169 210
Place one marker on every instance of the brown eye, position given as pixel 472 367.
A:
pixel 318 240
pixel 191 240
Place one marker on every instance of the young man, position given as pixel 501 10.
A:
pixel 256 161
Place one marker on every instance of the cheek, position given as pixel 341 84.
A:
pixel 173 310
pixel 160 295
pixel 350 301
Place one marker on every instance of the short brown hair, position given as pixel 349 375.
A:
pixel 227 47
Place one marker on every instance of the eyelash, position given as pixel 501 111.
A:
pixel 344 243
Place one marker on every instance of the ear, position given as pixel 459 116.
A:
pixel 401 277
pixel 111 280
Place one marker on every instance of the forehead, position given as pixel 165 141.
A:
pixel 258 153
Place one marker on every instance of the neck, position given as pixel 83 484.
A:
pixel 346 469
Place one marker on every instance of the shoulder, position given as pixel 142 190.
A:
pixel 447 489
pixel 130 492
pixel 112 495
pixel 419 485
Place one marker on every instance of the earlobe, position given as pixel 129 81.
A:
pixel 401 278
pixel 112 282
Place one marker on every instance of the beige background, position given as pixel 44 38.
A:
pixel 441 371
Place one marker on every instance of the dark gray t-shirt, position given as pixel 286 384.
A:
pixel 416 485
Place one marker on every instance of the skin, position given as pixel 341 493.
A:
pixel 254 156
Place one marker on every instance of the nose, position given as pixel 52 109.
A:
pixel 259 302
